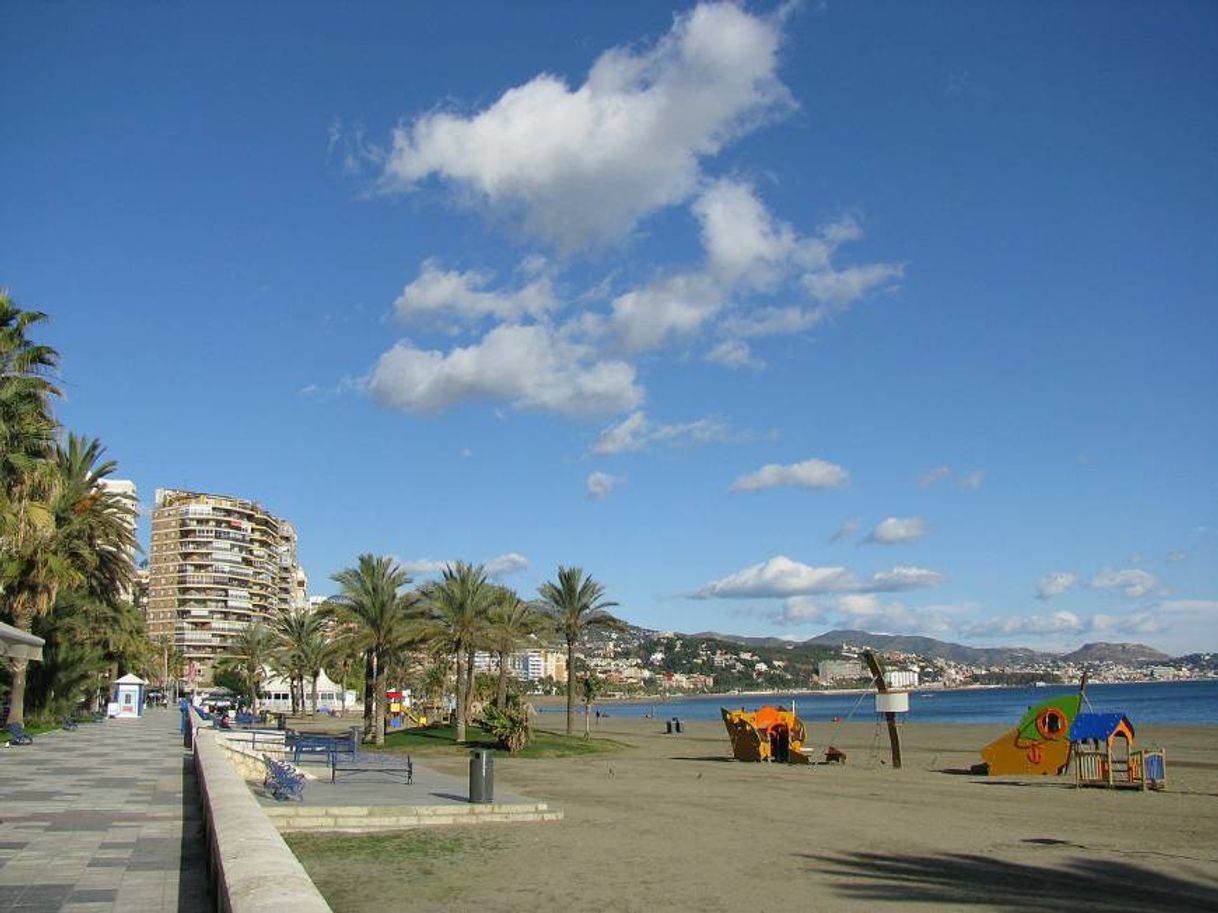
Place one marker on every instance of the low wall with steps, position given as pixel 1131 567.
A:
pixel 289 818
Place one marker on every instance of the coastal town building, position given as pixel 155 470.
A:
pixel 217 565
pixel 831 670
pixel 901 678
pixel 526 665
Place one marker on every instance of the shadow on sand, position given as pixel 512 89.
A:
pixel 966 879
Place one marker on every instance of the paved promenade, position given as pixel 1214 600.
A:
pixel 102 819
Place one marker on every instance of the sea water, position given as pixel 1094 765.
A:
pixel 1192 703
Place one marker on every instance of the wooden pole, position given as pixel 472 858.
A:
pixel 894 736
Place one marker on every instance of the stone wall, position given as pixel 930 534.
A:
pixel 252 869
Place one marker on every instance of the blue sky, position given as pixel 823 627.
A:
pixel 775 319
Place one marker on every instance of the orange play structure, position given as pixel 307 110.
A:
pixel 1040 743
pixel 768 734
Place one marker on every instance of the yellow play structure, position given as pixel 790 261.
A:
pixel 768 734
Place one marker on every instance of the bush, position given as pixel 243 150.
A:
pixel 510 726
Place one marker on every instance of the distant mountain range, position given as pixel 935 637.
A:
pixel 938 649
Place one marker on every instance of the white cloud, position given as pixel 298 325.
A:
pixel 669 308
pixel 864 611
pixel 1130 583
pixel 637 432
pixel 628 434
pixel 781 576
pixel 904 578
pixel 744 244
pixel 581 166
pixel 972 481
pixel 1061 622
pixel 808 474
pixel 733 353
pixel 1055 584
pixel 896 530
pixel 437 292
pixel 931 476
pixel 495 567
pixel 846 530
pixel 601 484
pixel 530 367
pixel 1177 556
pixel 506 564
pixel 842 287
pixel 423 567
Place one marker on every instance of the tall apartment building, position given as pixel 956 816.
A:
pixel 526 665
pixel 217 565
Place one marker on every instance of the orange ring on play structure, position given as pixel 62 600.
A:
pixel 1051 724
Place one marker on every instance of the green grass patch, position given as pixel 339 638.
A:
pixel 376 848
pixel 543 744
pixel 376 872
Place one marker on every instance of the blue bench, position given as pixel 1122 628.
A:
pixel 282 781
pixel 18 736
pixel 329 748
pixel 245 719
pixel 69 723
pixel 365 762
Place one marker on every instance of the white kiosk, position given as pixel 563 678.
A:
pixel 127 700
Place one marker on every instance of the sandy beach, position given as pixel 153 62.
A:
pixel 671 823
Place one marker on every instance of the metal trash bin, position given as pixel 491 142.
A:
pixel 481 776
pixel 676 724
pixel 668 727
pixel 281 721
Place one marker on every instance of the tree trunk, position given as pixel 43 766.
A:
pixel 16 711
pixel 570 686
pixel 459 723
pixel 315 694
pixel 587 718
pixel 378 717
pixel 369 691
pixel 469 682
pixel 501 695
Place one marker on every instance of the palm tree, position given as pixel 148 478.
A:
pixel 580 604
pixel 249 654
pixel 27 480
pixel 590 688
pixel 86 544
pixel 456 607
pixel 511 622
pixel 294 628
pixel 377 617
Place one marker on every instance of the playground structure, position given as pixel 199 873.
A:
pixel 1040 744
pixel 1102 744
pixel 767 734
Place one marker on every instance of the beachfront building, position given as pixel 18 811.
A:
pixel 526 665
pixel 276 695
pixel 901 678
pixel 217 564
pixel 831 670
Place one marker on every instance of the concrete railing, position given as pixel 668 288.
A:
pixel 252 869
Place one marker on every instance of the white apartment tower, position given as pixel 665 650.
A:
pixel 218 564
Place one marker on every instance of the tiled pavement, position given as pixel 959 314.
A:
pixel 102 819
